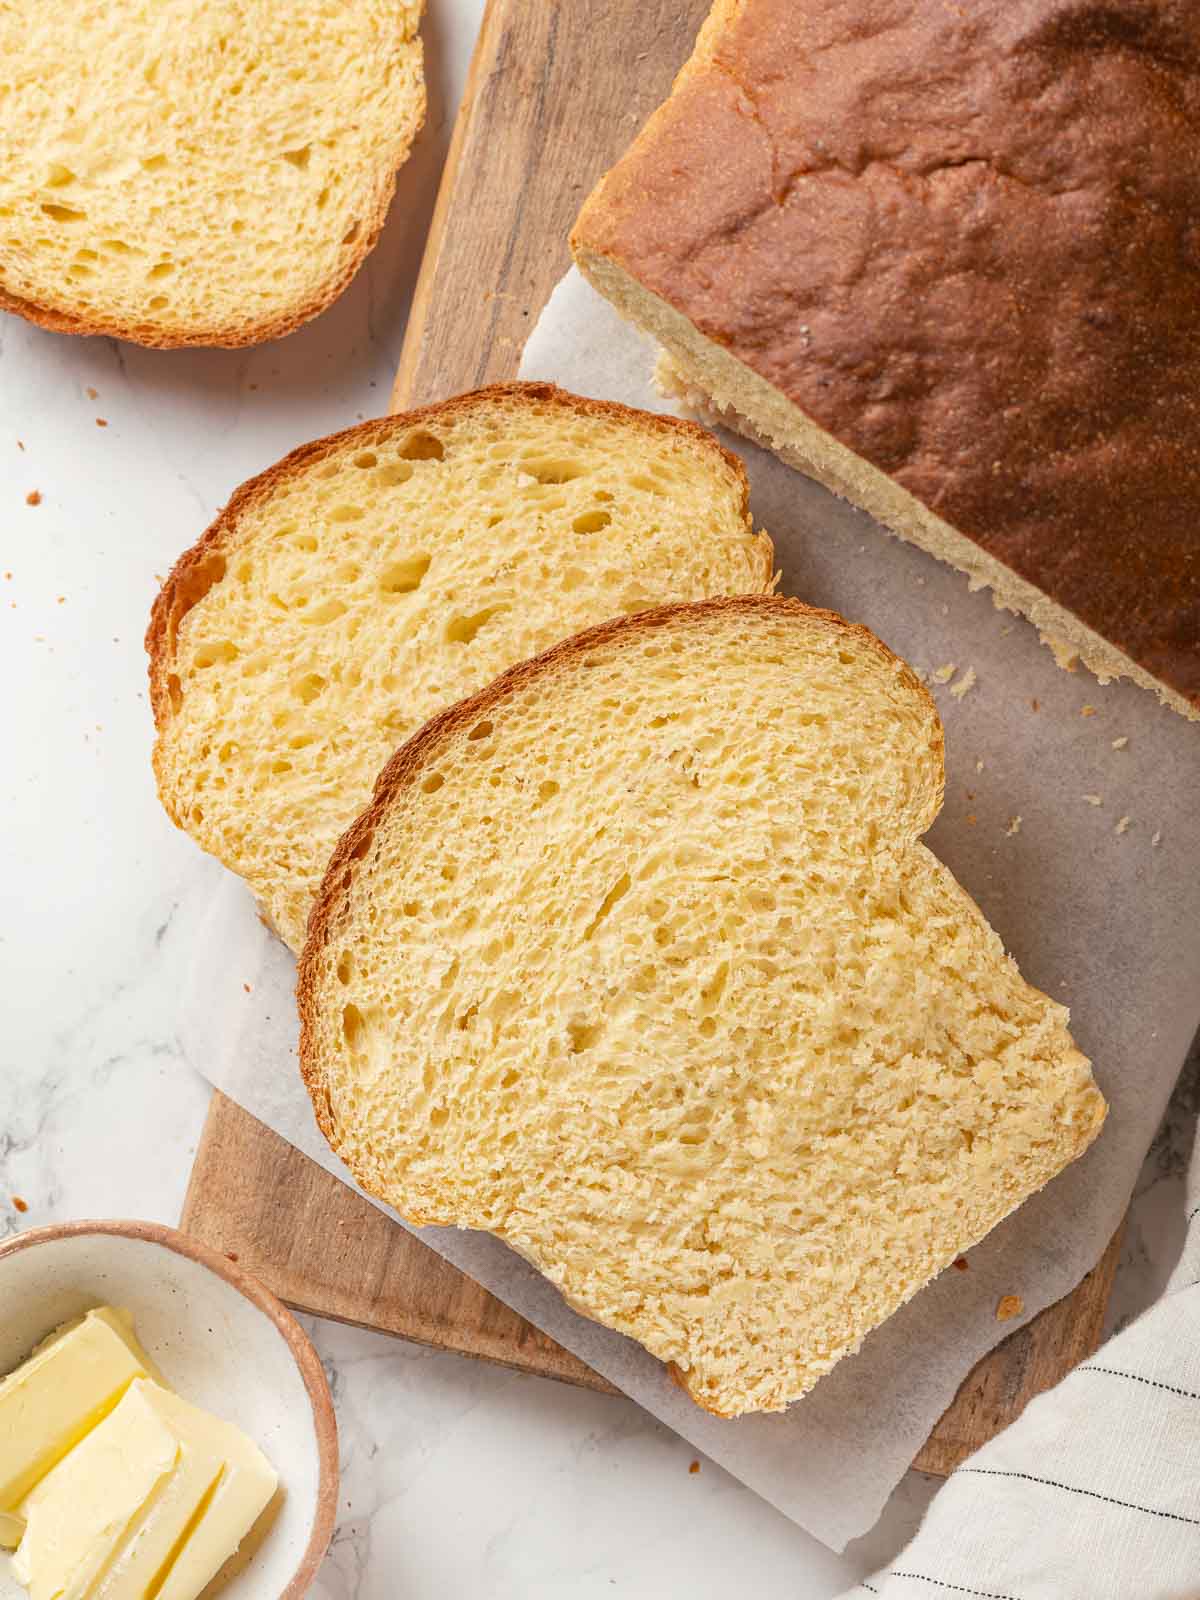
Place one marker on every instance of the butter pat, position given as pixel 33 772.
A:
pixel 239 1497
pixel 148 1507
pixel 69 1384
pixel 78 1516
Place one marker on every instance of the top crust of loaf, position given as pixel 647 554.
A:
pixel 962 242
pixel 284 124
pixel 636 960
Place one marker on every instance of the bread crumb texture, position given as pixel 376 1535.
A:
pixel 177 173
pixel 636 961
pixel 371 579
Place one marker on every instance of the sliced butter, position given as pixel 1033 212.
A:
pixel 69 1384
pixel 79 1514
pixel 164 1528
pixel 243 1491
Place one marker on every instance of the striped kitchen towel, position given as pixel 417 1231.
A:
pixel 1094 1493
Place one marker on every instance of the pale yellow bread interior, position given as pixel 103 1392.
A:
pixel 371 579
pixel 637 961
pixel 174 172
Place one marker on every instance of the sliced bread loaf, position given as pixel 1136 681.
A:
pixel 945 260
pixel 198 173
pixel 636 961
pixel 372 578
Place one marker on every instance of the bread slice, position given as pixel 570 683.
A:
pixel 880 238
pixel 636 961
pixel 371 578
pixel 199 173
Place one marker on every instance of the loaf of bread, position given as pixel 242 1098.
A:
pixel 637 961
pixel 198 173
pixel 370 579
pixel 946 260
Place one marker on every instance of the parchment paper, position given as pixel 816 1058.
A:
pixel 1096 913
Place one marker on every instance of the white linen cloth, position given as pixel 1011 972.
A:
pixel 1095 1491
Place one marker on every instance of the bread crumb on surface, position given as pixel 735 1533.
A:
pixel 1123 825
pixel 34 497
pixel 945 673
pixel 1119 744
pixel 92 394
pixel 19 1204
pixel 1011 1305
pixel 246 986
pixel 1035 705
pixel 964 685
pixel 962 1264
pixel 1088 711
pixel 979 766
pixel 1156 838
pixel 1094 799
pixel 694 1467
pixel 972 819
pixel 102 422
pixel 1014 826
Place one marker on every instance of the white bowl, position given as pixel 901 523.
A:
pixel 221 1340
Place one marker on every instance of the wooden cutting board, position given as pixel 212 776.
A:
pixel 556 92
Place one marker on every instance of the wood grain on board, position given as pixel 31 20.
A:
pixel 555 94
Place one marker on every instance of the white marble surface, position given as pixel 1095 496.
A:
pixel 458 1478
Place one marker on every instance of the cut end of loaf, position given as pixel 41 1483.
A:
pixel 636 961
pixel 370 579
pixel 219 183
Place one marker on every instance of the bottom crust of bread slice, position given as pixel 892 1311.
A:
pixel 637 961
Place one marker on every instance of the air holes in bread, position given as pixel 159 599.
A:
pixel 422 446
pixel 352 1025
pixel 309 687
pixel 548 471
pixel 591 521
pixel 209 655
pixel 327 611
pixel 583 1036
pixel 462 630
pixel 403 577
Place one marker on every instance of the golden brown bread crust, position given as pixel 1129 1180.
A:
pixel 964 241
pixel 204 564
pixel 235 336
pixel 412 758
